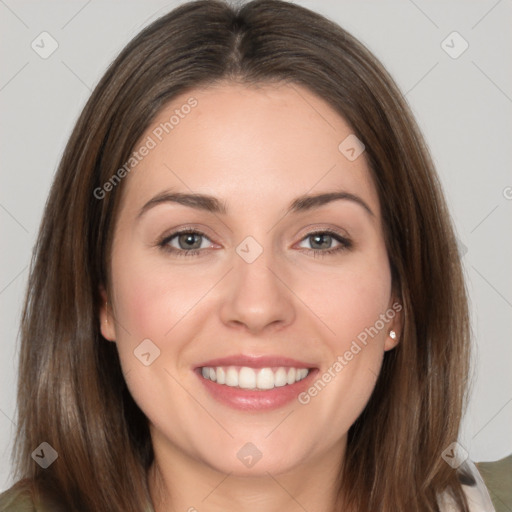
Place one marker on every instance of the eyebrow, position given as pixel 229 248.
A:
pixel 213 205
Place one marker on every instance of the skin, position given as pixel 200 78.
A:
pixel 255 149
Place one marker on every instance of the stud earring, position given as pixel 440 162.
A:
pixel 392 334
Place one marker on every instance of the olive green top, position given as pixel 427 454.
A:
pixel 498 478
pixel 492 479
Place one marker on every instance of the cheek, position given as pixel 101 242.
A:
pixel 149 301
pixel 351 300
pixel 151 298
pixel 354 305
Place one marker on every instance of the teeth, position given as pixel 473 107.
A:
pixel 221 376
pixel 254 378
pixel 232 377
pixel 265 379
pixel 280 378
pixel 246 378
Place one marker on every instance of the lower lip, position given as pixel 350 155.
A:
pixel 264 400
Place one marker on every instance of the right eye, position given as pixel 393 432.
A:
pixel 187 242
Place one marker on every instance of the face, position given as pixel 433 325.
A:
pixel 276 286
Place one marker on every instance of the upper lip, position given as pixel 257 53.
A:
pixel 263 361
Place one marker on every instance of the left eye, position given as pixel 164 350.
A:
pixel 322 243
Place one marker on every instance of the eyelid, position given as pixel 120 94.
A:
pixel 193 228
pixel 312 229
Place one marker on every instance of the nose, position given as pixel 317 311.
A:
pixel 256 296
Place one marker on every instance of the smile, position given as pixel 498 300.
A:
pixel 253 379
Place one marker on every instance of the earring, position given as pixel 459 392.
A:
pixel 392 334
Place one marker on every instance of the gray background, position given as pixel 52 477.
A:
pixel 463 106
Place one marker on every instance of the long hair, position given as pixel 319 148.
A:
pixel 71 391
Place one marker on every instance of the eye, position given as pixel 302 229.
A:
pixel 191 242
pixel 187 242
pixel 322 243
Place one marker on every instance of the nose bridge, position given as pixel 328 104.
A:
pixel 253 261
pixel 256 296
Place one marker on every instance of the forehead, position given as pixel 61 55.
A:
pixel 250 146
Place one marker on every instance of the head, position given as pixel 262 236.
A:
pixel 257 107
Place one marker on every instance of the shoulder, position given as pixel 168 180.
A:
pixel 487 486
pixel 498 479
pixel 474 489
pixel 17 499
pixel 20 498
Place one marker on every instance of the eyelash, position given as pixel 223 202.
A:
pixel 345 243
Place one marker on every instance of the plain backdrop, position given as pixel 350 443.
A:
pixel 463 104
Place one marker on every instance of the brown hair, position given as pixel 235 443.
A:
pixel 72 393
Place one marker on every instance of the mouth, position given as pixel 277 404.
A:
pixel 255 383
pixel 253 379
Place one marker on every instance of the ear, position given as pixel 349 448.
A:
pixel 107 325
pixel 395 326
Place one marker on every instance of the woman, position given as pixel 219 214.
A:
pixel 246 292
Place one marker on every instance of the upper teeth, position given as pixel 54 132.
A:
pixel 250 378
